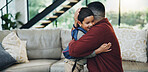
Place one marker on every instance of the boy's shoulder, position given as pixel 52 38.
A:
pixel 80 34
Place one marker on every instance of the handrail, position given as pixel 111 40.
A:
pixel 6 4
pixel 39 16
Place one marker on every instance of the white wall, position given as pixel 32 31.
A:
pixel 21 6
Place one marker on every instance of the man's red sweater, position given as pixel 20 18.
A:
pixel 101 32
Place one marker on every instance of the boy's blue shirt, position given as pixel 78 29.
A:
pixel 74 32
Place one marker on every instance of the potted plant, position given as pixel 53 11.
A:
pixel 10 22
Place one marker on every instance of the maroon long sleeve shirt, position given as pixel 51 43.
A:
pixel 101 32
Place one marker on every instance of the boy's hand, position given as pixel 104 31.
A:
pixel 76 16
pixel 103 48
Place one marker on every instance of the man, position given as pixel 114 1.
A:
pixel 101 32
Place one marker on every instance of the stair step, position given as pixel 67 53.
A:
pixel 45 24
pixel 54 17
pixel 66 6
pixel 59 11
pixel 73 1
pixel 40 26
pixel 45 21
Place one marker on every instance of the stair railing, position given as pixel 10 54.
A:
pixel 39 16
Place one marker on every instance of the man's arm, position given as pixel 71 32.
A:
pixel 88 43
pixel 103 48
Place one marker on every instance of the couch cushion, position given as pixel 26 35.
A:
pixel 42 43
pixel 132 43
pixel 42 65
pixel 65 37
pixel 58 66
pixel 129 66
pixel 3 33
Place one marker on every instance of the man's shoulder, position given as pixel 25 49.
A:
pixel 100 26
pixel 104 25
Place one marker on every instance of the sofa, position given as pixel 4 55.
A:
pixel 44 50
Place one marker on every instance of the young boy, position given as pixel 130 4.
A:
pixel 86 21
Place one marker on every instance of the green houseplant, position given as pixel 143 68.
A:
pixel 10 22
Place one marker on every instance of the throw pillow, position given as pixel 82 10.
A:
pixel 15 47
pixel 132 44
pixel 5 58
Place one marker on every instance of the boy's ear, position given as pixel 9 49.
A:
pixel 79 22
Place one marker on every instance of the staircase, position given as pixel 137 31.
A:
pixel 50 9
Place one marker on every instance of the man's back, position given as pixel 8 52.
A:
pixel 101 33
pixel 110 61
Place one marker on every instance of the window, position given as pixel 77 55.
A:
pixel 36 6
pixel 112 8
pixel 134 14
pixel 67 19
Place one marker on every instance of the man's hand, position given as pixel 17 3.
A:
pixel 103 48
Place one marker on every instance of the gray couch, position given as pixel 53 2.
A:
pixel 44 50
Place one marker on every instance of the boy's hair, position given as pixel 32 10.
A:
pixel 97 8
pixel 84 12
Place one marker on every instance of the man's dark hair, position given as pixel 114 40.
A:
pixel 84 12
pixel 97 8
